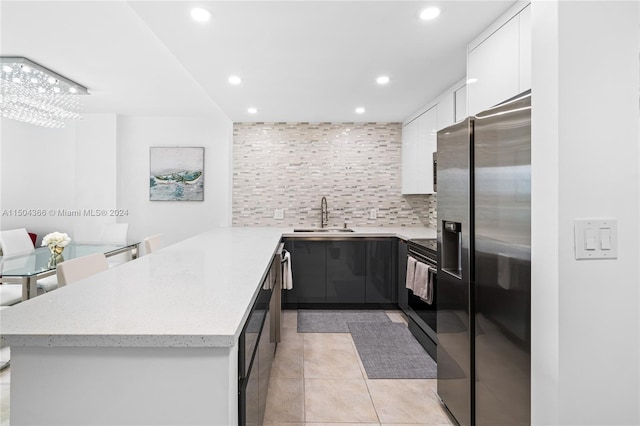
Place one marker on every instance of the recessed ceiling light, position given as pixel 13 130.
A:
pixel 383 79
pixel 429 13
pixel 360 110
pixel 472 80
pixel 199 14
pixel 234 79
pixel 252 110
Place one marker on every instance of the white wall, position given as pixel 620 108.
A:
pixel 585 163
pixel 52 170
pixel 95 174
pixel 37 172
pixel 176 219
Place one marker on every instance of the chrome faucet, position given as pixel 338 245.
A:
pixel 324 213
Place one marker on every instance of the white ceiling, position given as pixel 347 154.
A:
pixel 299 60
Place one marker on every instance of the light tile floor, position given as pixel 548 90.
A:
pixel 318 379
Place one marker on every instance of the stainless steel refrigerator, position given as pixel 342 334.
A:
pixel 484 266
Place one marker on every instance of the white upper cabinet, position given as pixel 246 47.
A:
pixel 409 158
pixel 494 68
pixel 446 110
pixel 418 146
pixel 427 143
pixel 500 66
pixel 420 137
pixel 461 104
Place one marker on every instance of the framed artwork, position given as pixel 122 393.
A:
pixel 176 174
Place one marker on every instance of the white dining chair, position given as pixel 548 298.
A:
pixel 153 243
pixel 47 284
pixel 115 233
pixel 15 241
pixel 10 294
pixel 79 268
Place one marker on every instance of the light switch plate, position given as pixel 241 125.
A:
pixel 596 238
pixel 373 213
pixel 278 214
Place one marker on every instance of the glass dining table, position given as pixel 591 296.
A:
pixel 27 268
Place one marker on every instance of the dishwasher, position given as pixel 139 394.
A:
pixel 257 345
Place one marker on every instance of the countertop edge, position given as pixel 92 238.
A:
pixel 112 340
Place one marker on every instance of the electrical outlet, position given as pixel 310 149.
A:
pixel 278 214
pixel 373 213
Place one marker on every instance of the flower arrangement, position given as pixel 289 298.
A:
pixel 56 239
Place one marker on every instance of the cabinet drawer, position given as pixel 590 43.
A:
pixel 251 332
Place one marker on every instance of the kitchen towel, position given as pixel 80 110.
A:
pixel 428 297
pixel 411 272
pixel 287 279
pixel 422 281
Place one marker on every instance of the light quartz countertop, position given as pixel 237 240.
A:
pixel 196 293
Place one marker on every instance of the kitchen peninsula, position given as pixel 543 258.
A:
pixel 152 341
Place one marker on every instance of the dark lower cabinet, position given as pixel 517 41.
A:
pixel 346 272
pixel 264 356
pixel 381 285
pixel 309 271
pixel 401 273
pixel 250 402
pixel 255 357
pixel 354 271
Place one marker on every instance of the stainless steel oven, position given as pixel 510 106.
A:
pixel 422 315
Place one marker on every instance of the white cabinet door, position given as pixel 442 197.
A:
pixel 418 145
pixel 446 110
pixel 495 63
pixel 427 140
pixel 461 104
pixel 525 49
pixel 409 158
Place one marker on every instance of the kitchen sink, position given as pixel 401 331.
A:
pixel 323 230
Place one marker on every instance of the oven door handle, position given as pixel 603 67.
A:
pixel 422 259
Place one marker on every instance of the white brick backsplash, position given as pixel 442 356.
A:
pixel 291 166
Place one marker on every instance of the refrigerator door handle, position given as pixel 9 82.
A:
pixel 452 248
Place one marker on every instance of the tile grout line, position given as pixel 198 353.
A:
pixel 304 380
pixel 366 383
